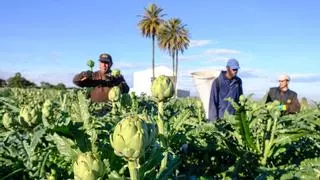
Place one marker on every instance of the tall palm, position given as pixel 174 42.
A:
pixel 149 26
pixel 174 37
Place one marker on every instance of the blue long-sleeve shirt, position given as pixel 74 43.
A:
pixel 226 88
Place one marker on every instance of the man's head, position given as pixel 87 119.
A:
pixel 105 62
pixel 232 68
pixel 283 82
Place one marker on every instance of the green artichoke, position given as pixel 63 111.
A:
pixel 7 121
pixel 242 100
pixel 114 94
pixel 28 116
pixel 116 72
pixel 47 108
pixel 130 137
pixel 90 63
pixel 162 88
pixel 52 175
pixel 88 166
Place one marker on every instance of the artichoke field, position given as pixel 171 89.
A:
pixel 53 134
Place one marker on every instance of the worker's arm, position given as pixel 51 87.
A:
pixel 121 83
pixel 83 79
pixel 294 106
pixel 269 97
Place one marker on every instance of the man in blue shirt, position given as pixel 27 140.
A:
pixel 226 85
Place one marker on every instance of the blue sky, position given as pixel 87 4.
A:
pixel 51 40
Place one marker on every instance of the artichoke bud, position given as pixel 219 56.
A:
pixel 90 63
pixel 52 176
pixel 114 94
pixel 130 137
pixel 88 166
pixel 25 116
pixel 7 120
pixel 162 88
pixel 242 100
pixel 116 72
pixel 47 108
pixel 28 116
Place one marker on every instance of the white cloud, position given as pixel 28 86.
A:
pixel 210 55
pixel 306 78
pixel 121 65
pixel 199 43
pixel 221 52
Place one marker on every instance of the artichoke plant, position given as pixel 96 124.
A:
pixel 7 121
pixel 90 63
pixel 130 139
pixel 47 108
pixel 88 166
pixel 28 116
pixel 47 113
pixel 114 94
pixel 52 175
pixel 116 73
pixel 162 88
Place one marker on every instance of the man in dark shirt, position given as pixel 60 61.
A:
pixel 227 85
pixel 288 99
pixel 101 80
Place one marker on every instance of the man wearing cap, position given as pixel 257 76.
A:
pixel 101 80
pixel 226 85
pixel 288 99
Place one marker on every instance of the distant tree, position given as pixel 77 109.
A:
pixel 3 83
pixel 44 84
pixel 60 86
pixel 149 25
pixel 174 37
pixel 18 81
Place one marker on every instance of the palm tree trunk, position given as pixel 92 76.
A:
pixel 176 87
pixel 153 36
pixel 173 67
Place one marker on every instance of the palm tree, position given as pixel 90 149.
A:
pixel 174 37
pixel 149 26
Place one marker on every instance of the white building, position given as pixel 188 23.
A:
pixel 142 79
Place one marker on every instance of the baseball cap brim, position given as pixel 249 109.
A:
pixel 105 60
pixel 234 67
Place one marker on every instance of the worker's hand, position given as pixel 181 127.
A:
pixel 282 107
pixel 86 75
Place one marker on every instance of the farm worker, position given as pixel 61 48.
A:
pixel 101 80
pixel 226 85
pixel 288 98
